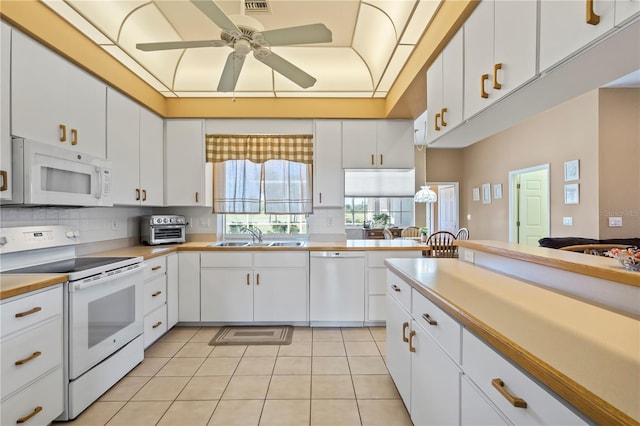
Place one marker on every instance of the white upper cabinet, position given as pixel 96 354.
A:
pixel 184 162
pixel 53 101
pixel 499 51
pixel 328 183
pixel 625 9
pixel 370 144
pixel 135 147
pixel 566 26
pixel 6 177
pixel 445 82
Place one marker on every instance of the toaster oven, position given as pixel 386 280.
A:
pixel 163 229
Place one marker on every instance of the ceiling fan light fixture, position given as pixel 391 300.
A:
pixel 242 47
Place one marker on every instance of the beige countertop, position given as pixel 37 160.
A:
pixel 587 354
pixel 14 285
pixel 596 266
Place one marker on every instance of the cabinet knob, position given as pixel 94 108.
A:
pixel 395 288
pixel 483 78
pixel 496 84
pixel 515 401
pixel 5 180
pixel 592 18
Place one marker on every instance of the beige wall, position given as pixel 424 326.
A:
pixel 619 170
pixel 444 165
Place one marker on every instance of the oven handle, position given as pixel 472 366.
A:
pixel 105 277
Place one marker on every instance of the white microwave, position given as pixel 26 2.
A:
pixel 45 174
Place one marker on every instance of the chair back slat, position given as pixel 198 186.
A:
pixel 441 244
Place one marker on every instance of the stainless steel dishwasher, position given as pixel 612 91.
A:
pixel 336 287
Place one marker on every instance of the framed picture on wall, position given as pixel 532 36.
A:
pixel 486 193
pixel 571 170
pixel 572 194
pixel 497 191
pixel 476 194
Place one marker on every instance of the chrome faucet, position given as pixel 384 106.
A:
pixel 256 233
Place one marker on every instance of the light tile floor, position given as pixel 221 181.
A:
pixel 326 376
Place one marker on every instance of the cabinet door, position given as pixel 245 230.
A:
pixel 184 171
pixel 359 144
pixel 395 144
pixel 226 294
pixel 172 290
pixel 435 383
pixel 625 9
pixel 434 99
pixel 48 92
pixel 189 286
pixel 6 182
pixel 475 409
pixel 151 158
pixel 453 83
pixel 280 295
pixel 123 147
pixel 398 355
pixel 564 28
pixel 328 185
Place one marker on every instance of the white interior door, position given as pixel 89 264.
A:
pixel 530 218
pixel 447 209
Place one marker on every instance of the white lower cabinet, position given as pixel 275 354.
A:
pixel 189 288
pixel 476 408
pixel 254 287
pixel 155 299
pixel 398 355
pixel 31 358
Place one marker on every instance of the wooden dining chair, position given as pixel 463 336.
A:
pixel 410 231
pixel 388 235
pixel 441 244
pixel 463 234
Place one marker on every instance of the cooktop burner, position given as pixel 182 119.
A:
pixel 67 266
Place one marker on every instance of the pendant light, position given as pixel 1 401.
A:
pixel 425 195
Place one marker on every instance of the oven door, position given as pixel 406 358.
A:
pixel 104 315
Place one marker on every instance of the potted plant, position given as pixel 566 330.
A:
pixel 381 220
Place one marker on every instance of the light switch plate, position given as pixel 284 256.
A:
pixel 567 220
pixel 615 222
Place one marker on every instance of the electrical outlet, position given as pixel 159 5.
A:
pixel 114 225
pixel 615 222
pixel 567 221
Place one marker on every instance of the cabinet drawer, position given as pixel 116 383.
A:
pixel 43 399
pixel 156 266
pixel 444 329
pixel 226 260
pixel 28 355
pixel 280 260
pixel 155 293
pixel 399 290
pixel 29 310
pixel 483 364
pixel 155 325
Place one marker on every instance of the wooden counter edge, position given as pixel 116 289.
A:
pixel 577 395
pixel 44 282
pixel 621 276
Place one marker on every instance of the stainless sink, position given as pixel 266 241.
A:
pixel 229 244
pixel 286 244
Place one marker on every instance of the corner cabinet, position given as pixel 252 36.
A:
pixel 53 101
pixel 328 182
pixel 189 286
pixel 135 147
pixel 184 162
pixel 370 144
pixel 445 81
pixel 6 177
pixel 500 39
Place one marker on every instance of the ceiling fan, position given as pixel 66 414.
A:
pixel 245 38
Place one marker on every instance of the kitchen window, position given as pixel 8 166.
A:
pixel 358 210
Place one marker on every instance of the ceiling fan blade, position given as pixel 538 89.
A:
pixel 168 45
pixel 213 12
pixel 304 34
pixel 287 69
pixel 231 72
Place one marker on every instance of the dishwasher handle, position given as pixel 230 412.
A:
pixel 337 254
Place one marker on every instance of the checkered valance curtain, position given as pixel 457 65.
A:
pixel 260 148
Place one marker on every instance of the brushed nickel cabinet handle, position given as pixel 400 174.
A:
pixel 404 334
pixel 429 320
pixel 144 195
pixel 30 358
pixel 496 85
pixel 28 416
pixel 436 122
pixel 515 401
pixel 411 334
pixel 5 181
pixel 156 325
pixel 592 18
pixel 29 312
pixel 395 288
pixel 483 78
pixel 63 133
pixel 137 194
pixel 74 137
pixel 157 293
pixel 444 123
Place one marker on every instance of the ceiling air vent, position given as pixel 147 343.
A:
pixel 256 6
